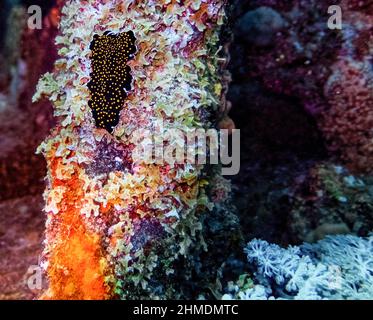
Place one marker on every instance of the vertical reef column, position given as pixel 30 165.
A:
pixel 116 227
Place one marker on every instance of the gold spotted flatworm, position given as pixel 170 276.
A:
pixel 110 77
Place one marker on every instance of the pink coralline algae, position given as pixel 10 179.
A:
pixel 329 71
pixel 348 122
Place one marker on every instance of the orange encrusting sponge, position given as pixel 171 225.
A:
pixel 77 267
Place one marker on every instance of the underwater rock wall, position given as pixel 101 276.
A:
pixel 301 95
pixel 294 54
pixel 116 227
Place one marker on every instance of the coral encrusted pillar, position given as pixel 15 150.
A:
pixel 116 227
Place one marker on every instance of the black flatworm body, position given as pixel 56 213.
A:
pixel 110 77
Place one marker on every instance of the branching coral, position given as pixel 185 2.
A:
pixel 116 227
pixel 338 267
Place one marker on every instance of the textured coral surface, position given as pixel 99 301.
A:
pixel 106 228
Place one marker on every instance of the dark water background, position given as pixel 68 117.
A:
pixel 6 6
